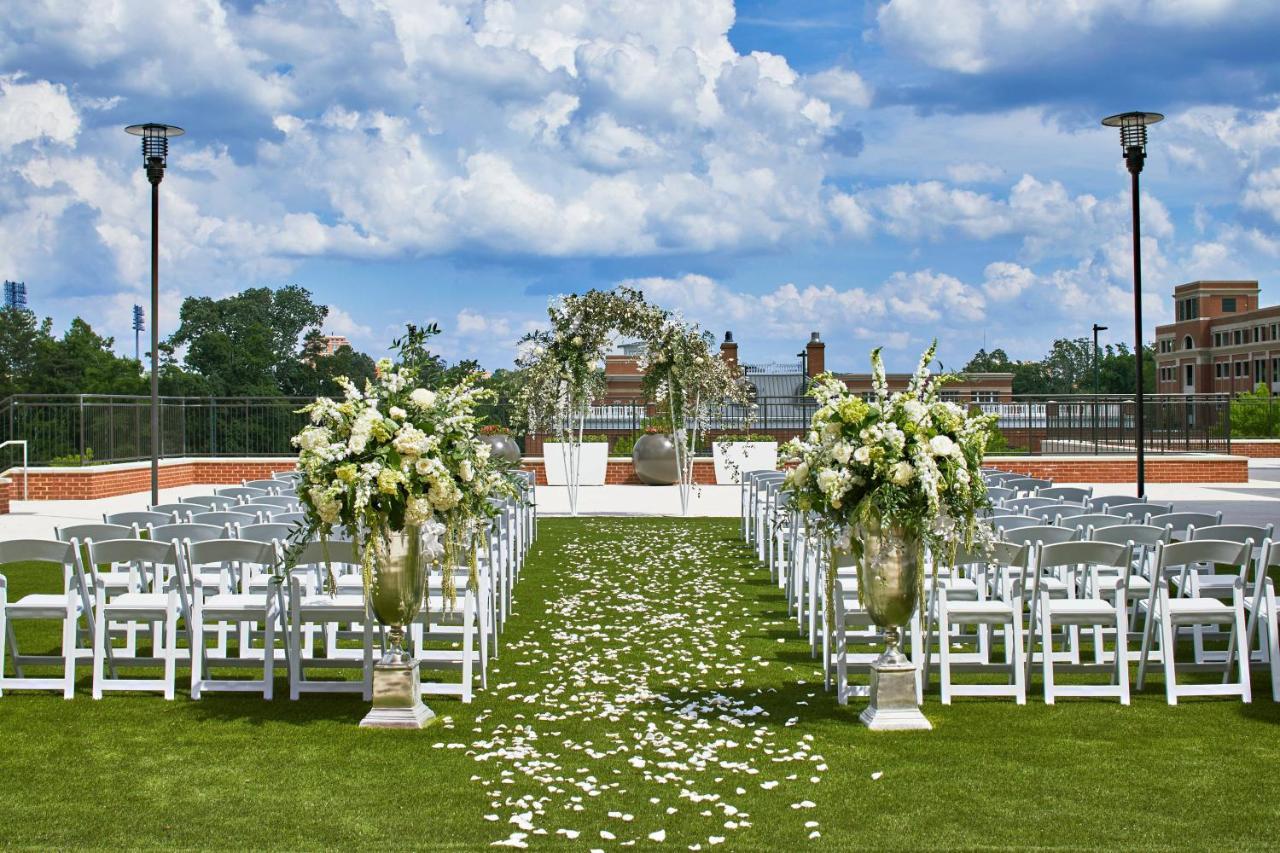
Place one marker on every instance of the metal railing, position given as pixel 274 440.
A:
pixel 91 428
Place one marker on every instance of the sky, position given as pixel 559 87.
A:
pixel 883 172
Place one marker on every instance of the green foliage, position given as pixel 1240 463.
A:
pixel 73 460
pixel 1068 368
pixel 594 438
pixel 1254 414
pixel 998 444
pixel 625 445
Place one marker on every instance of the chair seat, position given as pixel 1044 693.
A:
pixel 152 602
pixel 40 606
pixel 1108 583
pixel 332 602
pixel 1189 609
pixel 960 609
pixel 229 602
pixel 1079 607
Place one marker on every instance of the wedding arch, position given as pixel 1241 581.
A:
pixel 562 375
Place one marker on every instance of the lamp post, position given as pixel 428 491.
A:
pixel 1133 140
pixel 1096 329
pixel 155 151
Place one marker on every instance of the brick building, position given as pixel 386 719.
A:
pixel 1220 342
pixel 623 376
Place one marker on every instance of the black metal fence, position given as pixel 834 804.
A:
pixel 89 428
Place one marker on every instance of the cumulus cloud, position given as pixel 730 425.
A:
pixel 974 173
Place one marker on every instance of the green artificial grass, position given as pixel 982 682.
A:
pixel 649 666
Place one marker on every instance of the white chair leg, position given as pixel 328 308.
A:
pixel 1046 649
pixel 1122 650
pixel 171 646
pixel 1167 654
pixel 468 629
pixel 1017 663
pixel 4 628
pixel 99 645
pixel 1242 644
pixel 368 659
pixel 70 644
pixel 944 653
pixel 268 655
pixel 197 649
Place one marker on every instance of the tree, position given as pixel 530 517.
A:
pixel 1068 369
pixel 250 343
pixel 19 338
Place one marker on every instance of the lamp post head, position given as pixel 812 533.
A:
pixel 1133 135
pixel 155 146
pixel 1097 328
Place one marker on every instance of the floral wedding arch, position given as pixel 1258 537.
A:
pixel 563 376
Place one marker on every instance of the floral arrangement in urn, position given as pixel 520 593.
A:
pixel 392 456
pixel 907 458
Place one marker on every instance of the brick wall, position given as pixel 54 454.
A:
pixel 104 481
pixel 619 471
pixel 1209 468
pixel 1258 448
pixel 5 486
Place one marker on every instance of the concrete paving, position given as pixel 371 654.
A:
pixel 1255 502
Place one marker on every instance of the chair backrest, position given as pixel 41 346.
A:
pixel 275 502
pixel 1021 504
pixel 1233 533
pixel 36 551
pixel 96 531
pixel 182 511
pixel 221 518
pixel 315 553
pixel 1099 504
pixel 1013 522
pixel 196 532
pixel 1067 494
pixel 140 518
pixel 132 551
pixel 1138 510
pixel 1050 512
pixel 289 518
pixel 241 492
pixel 1053 555
pixel 1235 554
pixel 1091 519
pixel 217 551
pixel 286 475
pixel 271 532
pixel 1138 534
pixel 1000 493
pixel 1181 521
pixel 268 486
pixel 212 502
pixel 1027 484
pixel 1045 533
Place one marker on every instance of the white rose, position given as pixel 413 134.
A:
pixel 398 413
pixel 841 452
pixel 902 473
pixel 941 445
pixel 422 398
pixel 862 455
pixel 802 472
pixel 465 471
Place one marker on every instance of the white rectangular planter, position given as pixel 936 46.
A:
pixel 594 459
pixel 743 456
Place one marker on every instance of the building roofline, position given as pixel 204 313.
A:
pixel 1227 283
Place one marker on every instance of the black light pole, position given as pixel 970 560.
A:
pixel 1096 329
pixel 1133 140
pixel 155 151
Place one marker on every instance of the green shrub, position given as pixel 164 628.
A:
pixel 998 444
pixel 1254 414
pixel 623 446
pixel 72 460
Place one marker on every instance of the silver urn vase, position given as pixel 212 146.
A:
pixel 503 446
pixel 397 587
pixel 890 562
pixel 654 459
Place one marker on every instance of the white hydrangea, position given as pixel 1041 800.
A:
pixel 423 398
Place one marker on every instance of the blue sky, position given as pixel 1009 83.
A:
pixel 883 172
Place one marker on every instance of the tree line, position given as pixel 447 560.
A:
pixel 1068 368
pixel 261 342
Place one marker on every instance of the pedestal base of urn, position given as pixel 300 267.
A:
pixel 397 699
pixel 893 705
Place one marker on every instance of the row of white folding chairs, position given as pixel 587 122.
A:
pixel 153 581
pixel 1194 583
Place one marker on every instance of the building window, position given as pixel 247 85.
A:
pixel 1242 369
pixel 1229 304
pixel 1259 370
pixel 1238 336
pixel 1217 370
pixel 1257 334
pixel 1187 343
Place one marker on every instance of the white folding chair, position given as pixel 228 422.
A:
pixel 1165 614
pixel 240 607
pixel 310 606
pixel 159 605
pixel 65 606
pixel 978 608
pixel 1072 559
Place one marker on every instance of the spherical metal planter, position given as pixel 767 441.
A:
pixel 503 446
pixel 654 458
